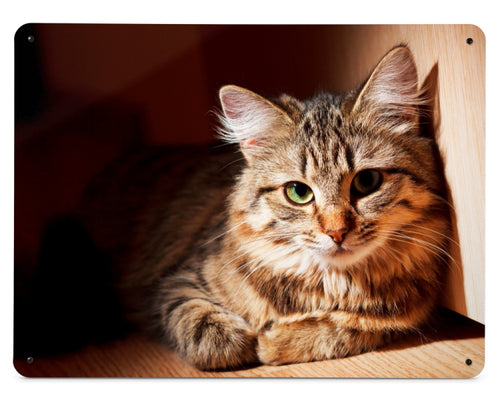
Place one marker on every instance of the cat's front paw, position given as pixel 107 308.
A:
pixel 313 339
pixel 222 343
pixel 283 344
pixel 211 338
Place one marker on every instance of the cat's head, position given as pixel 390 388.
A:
pixel 337 178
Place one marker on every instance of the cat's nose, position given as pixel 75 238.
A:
pixel 338 235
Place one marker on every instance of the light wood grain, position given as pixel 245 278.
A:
pixel 435 353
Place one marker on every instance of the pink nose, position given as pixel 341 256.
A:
pixel 338 236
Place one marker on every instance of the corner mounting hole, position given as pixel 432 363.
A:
pixel 468 361
pixel 469 41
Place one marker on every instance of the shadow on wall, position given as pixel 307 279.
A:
pixel 431 125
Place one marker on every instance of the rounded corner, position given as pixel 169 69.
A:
pixel 477 374
pixel 478 31
pixel 27 27
pixel 18 367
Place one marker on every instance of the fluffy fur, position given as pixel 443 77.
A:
pixel 222 267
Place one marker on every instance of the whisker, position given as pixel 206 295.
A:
pixel 420 233
pixel 425 228
pixel 233 259
pixel 222 234
pixel 424 242
pixel 405 240
pixel 231 163
pixel 444 200
pixel 436 250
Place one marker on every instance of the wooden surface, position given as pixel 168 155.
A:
pixel 435 353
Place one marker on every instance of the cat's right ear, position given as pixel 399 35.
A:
pixel 390 97
pixel 252 121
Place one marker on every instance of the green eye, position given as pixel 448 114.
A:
pixel 299 193
pixel 366 182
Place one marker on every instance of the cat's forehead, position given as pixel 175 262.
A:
pixel 327 124
pixel 322 125
pixel 321 113
pixel 331 145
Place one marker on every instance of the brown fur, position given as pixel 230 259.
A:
pixel 221 266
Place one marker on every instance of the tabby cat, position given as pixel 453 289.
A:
pixel 323 237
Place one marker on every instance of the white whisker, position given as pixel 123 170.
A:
pixel 425 228
pixel 222 234
pixel 423 244
pixel 442 199
pixel 231 163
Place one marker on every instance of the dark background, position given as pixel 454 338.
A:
pixel 86 93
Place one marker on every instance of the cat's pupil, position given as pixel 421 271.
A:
pixel 366 182
pixel 301 189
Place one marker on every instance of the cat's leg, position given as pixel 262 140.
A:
pixel 206 334
pixel 313 339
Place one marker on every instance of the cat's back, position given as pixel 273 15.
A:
pixel 153 201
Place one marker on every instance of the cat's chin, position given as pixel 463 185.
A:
pixel 341 252
pixel 342 257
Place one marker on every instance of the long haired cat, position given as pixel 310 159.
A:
pixel 323 237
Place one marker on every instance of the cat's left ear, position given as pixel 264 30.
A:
pixel 252 121
pixel 390 95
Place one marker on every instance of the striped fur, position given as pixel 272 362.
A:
pixel 227 271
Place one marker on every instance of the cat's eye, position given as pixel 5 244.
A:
pixel 366 182
pixel 299 193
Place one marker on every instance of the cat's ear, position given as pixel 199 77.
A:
pixel 390 96
pixel 252 121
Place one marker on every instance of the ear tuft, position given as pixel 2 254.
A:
pixel 391 95
pixel 251 120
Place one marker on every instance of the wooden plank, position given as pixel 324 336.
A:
pixel 434 353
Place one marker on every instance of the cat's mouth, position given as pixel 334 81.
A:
pixel 340 254
pixel 328 249
pixel 340 251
